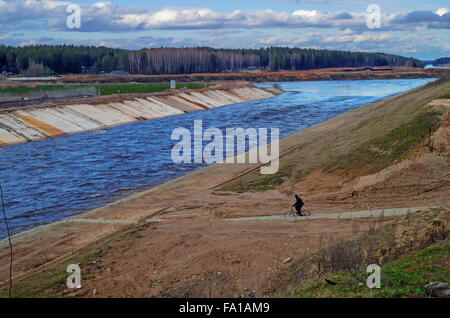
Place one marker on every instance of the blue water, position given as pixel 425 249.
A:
pixel 439 67
pixel 52 179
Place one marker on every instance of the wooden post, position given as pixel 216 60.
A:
pixel 429 140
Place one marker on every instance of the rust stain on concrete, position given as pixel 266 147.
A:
pixel 192 102
pixel 44 127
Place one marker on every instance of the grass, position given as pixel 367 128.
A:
pixel 382 151
pixel 405 277
pixel 359 142
pixel 22 90
pixel 131 88
pixel 413 250
pixel 104 89
pixel 46 283
pixel 222 193
pixel 379 152
pixel 261 184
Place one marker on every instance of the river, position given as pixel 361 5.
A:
pixel 49 180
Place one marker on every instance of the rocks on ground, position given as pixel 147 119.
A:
pixel 437 289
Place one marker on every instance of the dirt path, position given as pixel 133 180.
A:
pixel 340 215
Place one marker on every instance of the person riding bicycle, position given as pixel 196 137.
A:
pixel 298 205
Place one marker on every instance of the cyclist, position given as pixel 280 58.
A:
pixel 298 205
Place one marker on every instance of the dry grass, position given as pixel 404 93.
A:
pixel 380 245
pixel 395 125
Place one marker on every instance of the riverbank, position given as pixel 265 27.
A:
pixel 173 241
pixel 52 119
pixel 325 74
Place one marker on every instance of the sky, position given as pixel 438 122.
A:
pixel 413 28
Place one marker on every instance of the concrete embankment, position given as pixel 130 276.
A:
pixel 44 121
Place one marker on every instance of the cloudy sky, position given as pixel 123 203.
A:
pixel 408 27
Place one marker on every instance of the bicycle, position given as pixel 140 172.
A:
pixel 304 212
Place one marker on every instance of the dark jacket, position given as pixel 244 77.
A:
pixel 299 202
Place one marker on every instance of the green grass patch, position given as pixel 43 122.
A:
pixel 381 152
pixel 222 193
pixel 104 89
pixel 260 183
pixel 405 277
pixel 132 88
pixel 50 282
pixel 22 90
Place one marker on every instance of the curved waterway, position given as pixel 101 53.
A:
pixel 49 180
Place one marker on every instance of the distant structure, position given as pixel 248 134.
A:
pixel 173 84
pixel 33 79
pixel 116 73
pixel 86 69
pixel 6 74
pixel 250 69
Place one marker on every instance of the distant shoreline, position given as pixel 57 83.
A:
pixel 323 74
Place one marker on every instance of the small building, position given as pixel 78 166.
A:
pixel 86 69
pixel 250 69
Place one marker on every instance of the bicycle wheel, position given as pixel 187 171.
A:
pixel 306 212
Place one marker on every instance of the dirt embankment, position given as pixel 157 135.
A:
pixel 339 269
pixel 308 75
pixel 376 156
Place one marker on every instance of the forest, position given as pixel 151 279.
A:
pixel 442 61
pixel 69 59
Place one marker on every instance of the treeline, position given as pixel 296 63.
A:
pixel 195 60
pixel 442 61
pixel 62 59
pixel 78 59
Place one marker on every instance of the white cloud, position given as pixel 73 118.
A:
pixel 306 13
pixel 347 31
pixel 442 11
pixel 107 17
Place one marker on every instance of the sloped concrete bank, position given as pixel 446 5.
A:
pixel 35 123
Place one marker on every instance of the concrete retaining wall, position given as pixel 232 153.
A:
pixel 30 124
